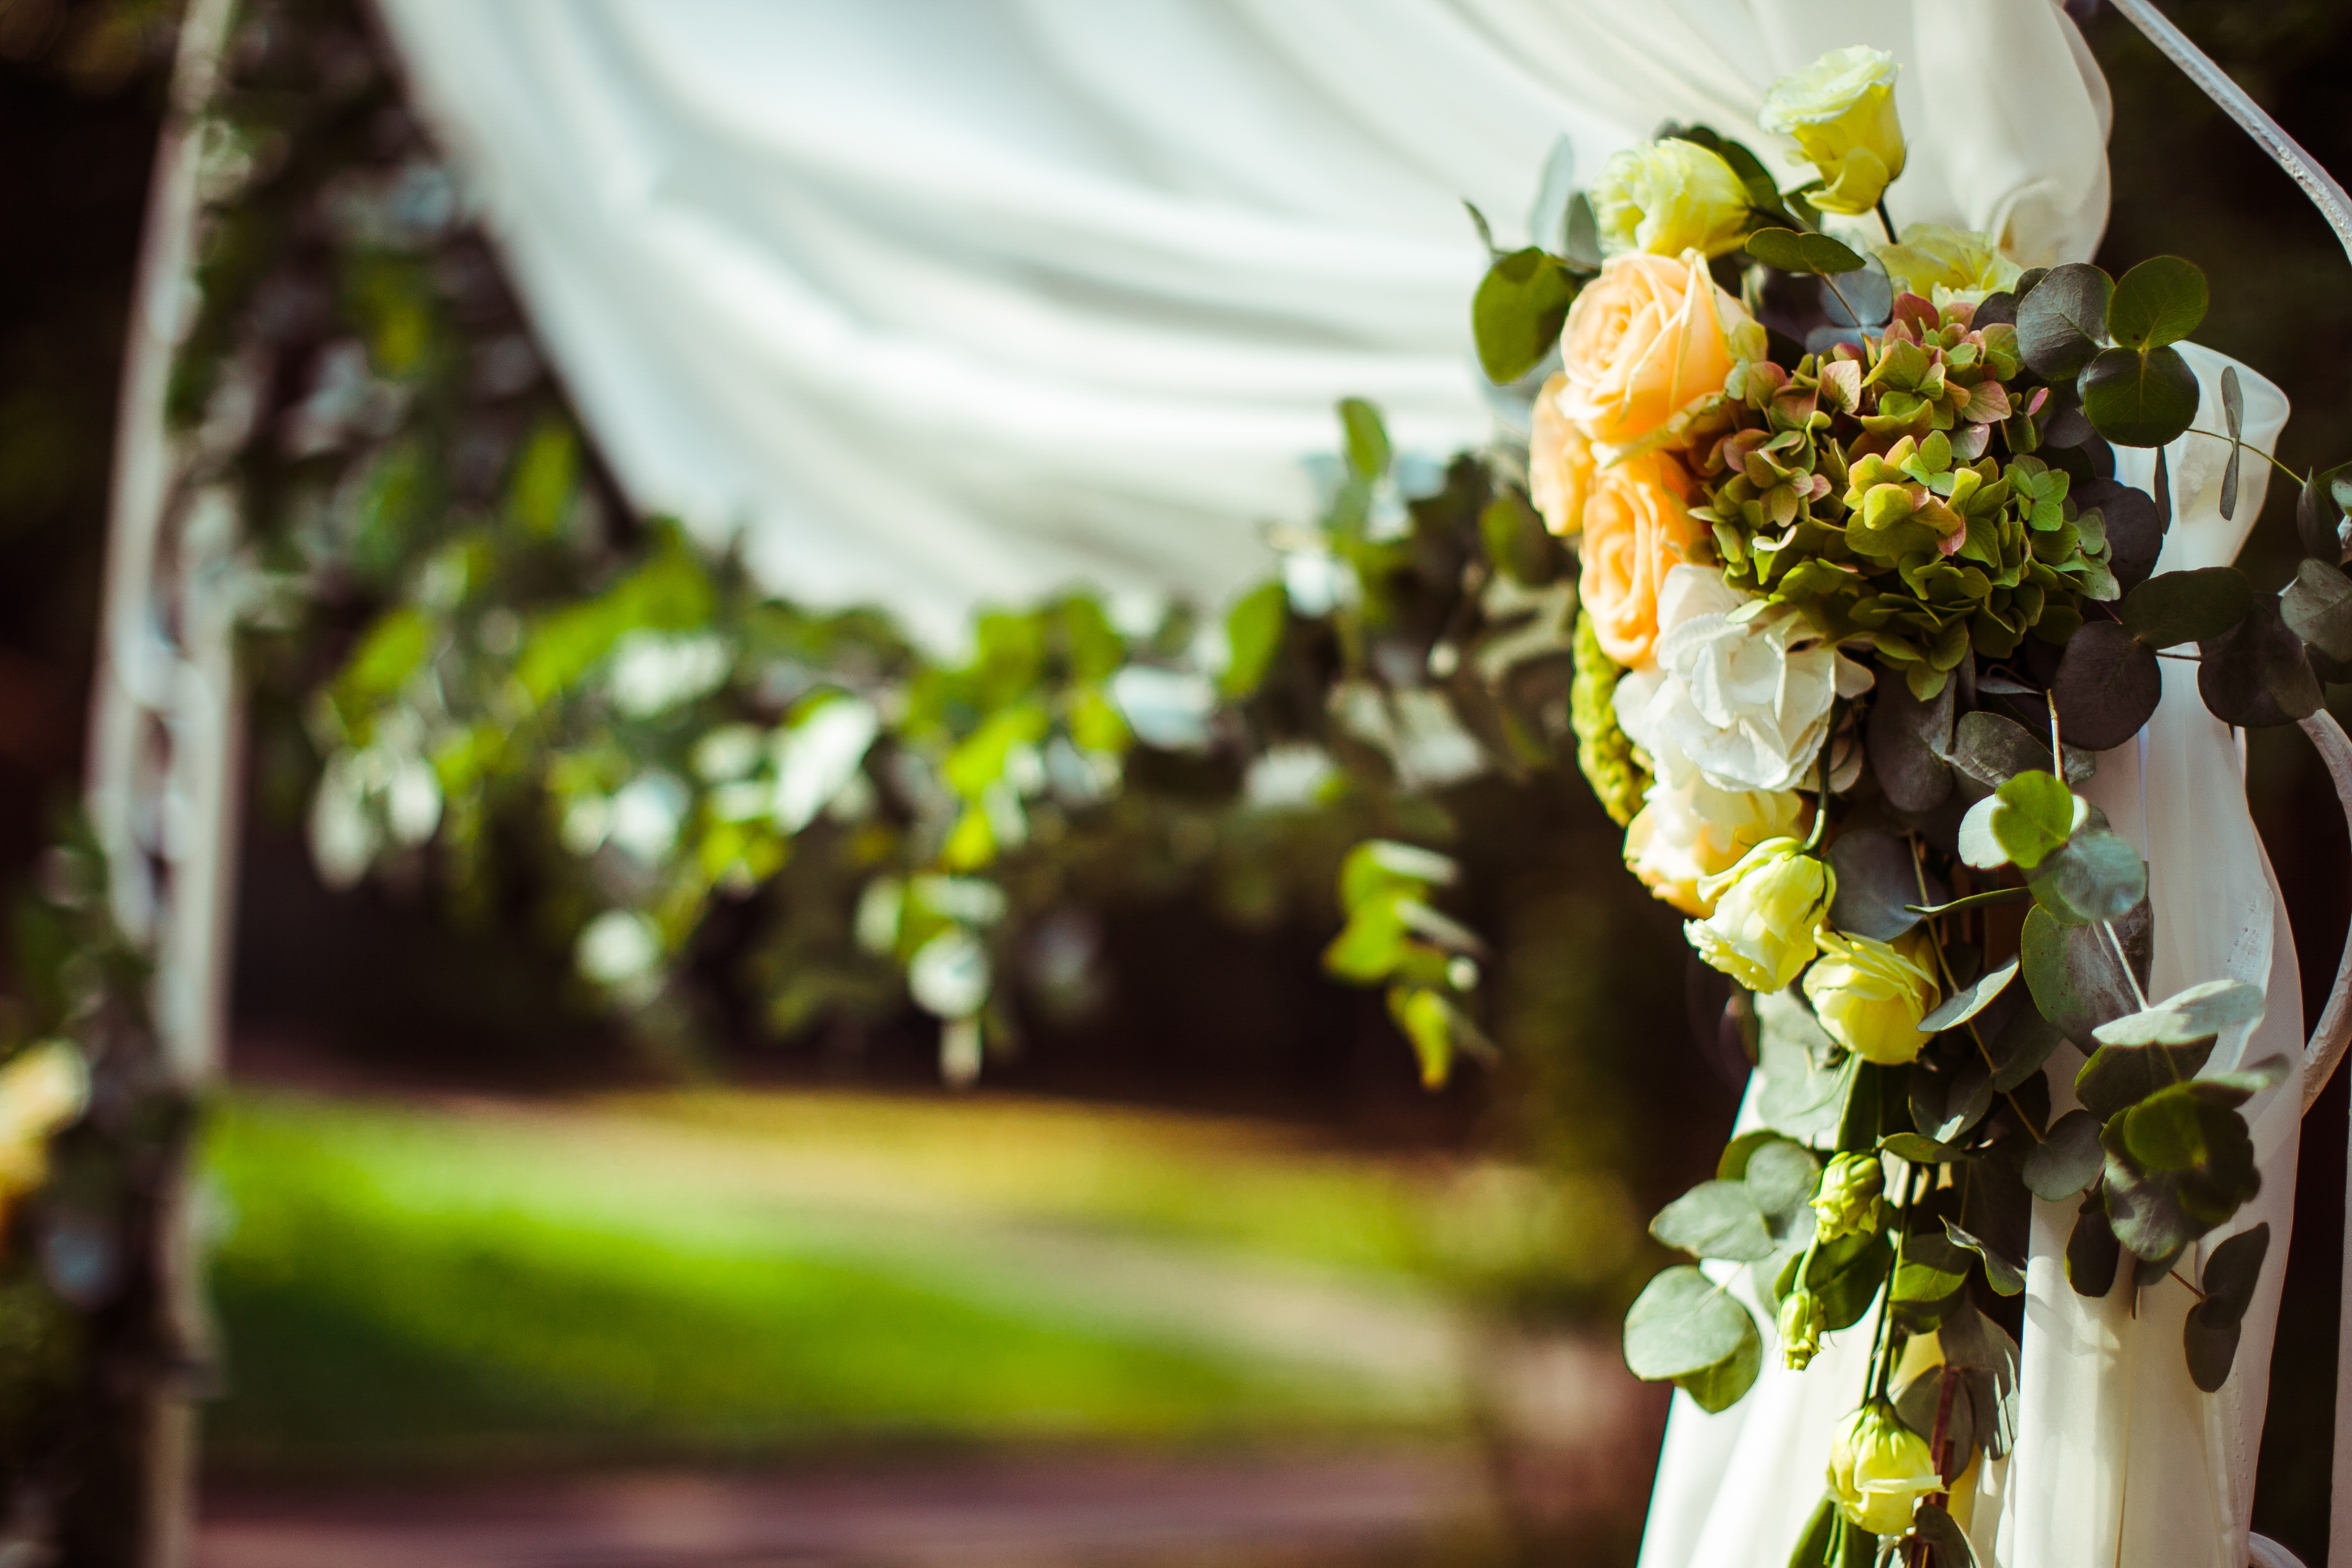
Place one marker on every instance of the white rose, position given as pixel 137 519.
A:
pixel 1686 833
pixel 1744 704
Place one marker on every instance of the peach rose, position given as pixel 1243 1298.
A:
pixel 1559 462
pixel 1637 527
pixel 1645 340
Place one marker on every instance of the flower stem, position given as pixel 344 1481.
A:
pixel 1886 224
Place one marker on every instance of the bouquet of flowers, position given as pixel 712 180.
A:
pixel 1860 598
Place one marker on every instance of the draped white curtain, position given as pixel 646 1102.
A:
pixel 951 301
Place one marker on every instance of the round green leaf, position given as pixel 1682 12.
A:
pixel 2140 397
pixel 1715 1219
pixel 2188 607
pixel 2197 1013
pixel 2158 302
pixel 2068 1160
pixel 1876 878
pixel 2098 876
pixel 1907 738
pixel 2073 975
pixel 2064 322
pixel 2035 816
pixel 1683 1322
pixel 2258 673
pixel 1791 251
pixel 2107 685
pixel 1517 313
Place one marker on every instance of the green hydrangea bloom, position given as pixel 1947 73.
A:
pixel 1602 749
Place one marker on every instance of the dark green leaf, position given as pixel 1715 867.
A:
pixel 2140 397
pixel 1684 1328
pixel 2257 673
pixel 2107 685
pixel 2066 1160
pixel 1907 740
pixel 2024 1043
pixel 2134 527
pixel 2176 607
pixel 1793 251
pixel 2178 1163
pixel 1715 1219
pixel 2233 1268
pixel 1970 1000
pixel 2092 1252
pixel 1869 293
pixel 1583 242
pixel 2118 1076
pixel 2064 321
pixel 2097 875
pixel 2076 978
pixel 1845 1277
pixel 2158 302
pixel 1876 880
pixel 1920 1149
pixel 2233 403
pixel 1816 1543
pixel 2317 607
pixel 2005 1275
pixel 2230 477
pixel 1944 1104
pixel 1367 437
pixel 1992 748
pixel 1517 313
pixel 1983 1349
pixel 1947 1545
pixel 2209 1337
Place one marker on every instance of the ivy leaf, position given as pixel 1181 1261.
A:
pixel 2095 876
pixel 1876 880
pixel 1687 1330
pixel 2257 673
pixel 2210 1336
pixel 2107 685
pixel 2140 397
pixel 2068 1160
pixel 2160 301
pixel 2317 607
pixel 2188 606
pixel 2034 818
pixel 1517 313
pixel 2061 323
pixel 1715 1219
pixel 1791 251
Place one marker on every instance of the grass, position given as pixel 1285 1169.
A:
pixel 706 1274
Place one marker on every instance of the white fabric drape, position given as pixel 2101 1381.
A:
pixel 951 301
pixel 2120 1459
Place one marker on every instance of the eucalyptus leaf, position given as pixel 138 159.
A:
pixel 2160 301
pixel 2033 817
pixel 2119 1077
pixel 2108 684
pixel 1918 1401
pixel 2191 1016
pixel 1869 291
pixel 2092 1253
pixel 2230 477
pixel 2140 397
pixel 1844 1278
pixel 2208 1338
pixel 1959 1099
pixel 1793 251
pixel 2233 1268
pixel 2097 876
pixel 1715 1219
pixel 2257 673
pixel 1992 748
pixel 2024 1043
pixel 1976 845
pixel 1877 878
pixel 2061 323
pixel 2317 607
pixel 1517 313
pixel 2319 516
pixel 1686 1329
pixel 2076 980
pixel 1582 243
pixel 2066 1160
pixel 1970 1000
pixel 1780 1177
pixel 1919 1149
pixel 2176 607
pixel 2005 1275
pixel 1907 740
pixel 2134 525
pixel 1983 1349
pixel 1947 1543
pixel 1800 1094
pixel 2178 1163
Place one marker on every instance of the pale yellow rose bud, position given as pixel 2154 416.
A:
pixel 1841 112
pixel 1879 1468
pixel 1800 1322
pixel 1668 197
pixel 1871 997
pixel 1767 909
pixel 1943 264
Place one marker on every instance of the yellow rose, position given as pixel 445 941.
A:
pixel 1682 836
pixel 43 1089
pixel 1941 264
pixel 1637 527
pixel 1767 909
pixel 1841 110
pixel 1559 462
pixel 1871 997
pixel 1644 340
pixel 1668 197
pixel 1879 1468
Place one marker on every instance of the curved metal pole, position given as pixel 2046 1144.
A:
pixel 2333 1033
pixel 2334 203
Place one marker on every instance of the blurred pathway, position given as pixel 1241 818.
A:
pixel 1396 1508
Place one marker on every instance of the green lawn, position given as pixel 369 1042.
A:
pixel 704 1274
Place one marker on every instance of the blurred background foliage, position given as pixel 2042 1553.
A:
pixel 527 707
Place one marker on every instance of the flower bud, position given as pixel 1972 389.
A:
pixel 1801 1321
pixel 1668 197
pixel 1879 1468
pixel 1768 911
pixel 1870 997
pixel 1841 112
pixel 1848 1202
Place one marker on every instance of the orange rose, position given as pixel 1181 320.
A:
pixel 1559 463
pixel 1645 340
pixel 1637 527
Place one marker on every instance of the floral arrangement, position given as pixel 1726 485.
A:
pixel 1860 598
